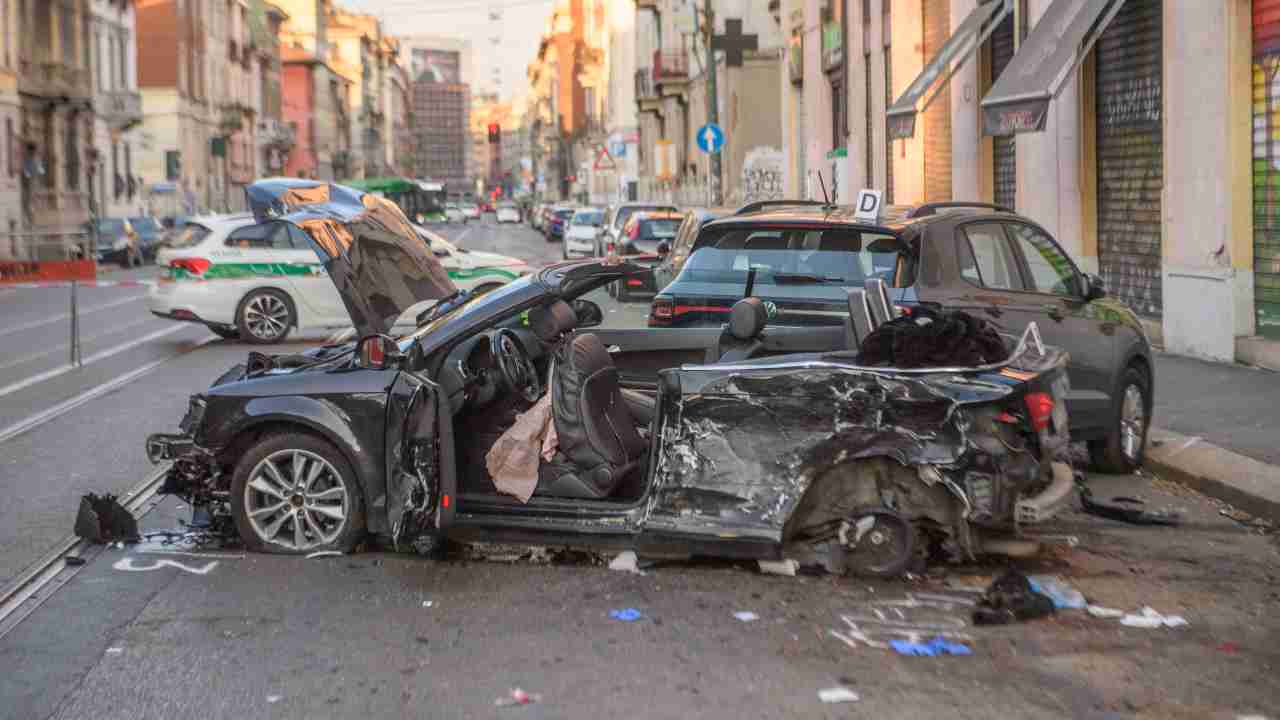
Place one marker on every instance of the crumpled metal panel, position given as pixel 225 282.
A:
pixel 740 446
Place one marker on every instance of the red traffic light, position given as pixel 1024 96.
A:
pixel 495 132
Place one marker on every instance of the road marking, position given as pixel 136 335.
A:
pixel 64 346
pixel 464 233
pixel 70 404
pixel 101 355
pixel 128 564
pixel 67 315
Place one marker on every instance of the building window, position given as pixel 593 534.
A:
pixel 122 45
pixel 9 141
pixel 67 26
pixel 73 155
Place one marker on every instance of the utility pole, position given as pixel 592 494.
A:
pixel 713 107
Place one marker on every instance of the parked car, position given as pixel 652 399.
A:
pixel 785 456
pixel 671 261
pixel 470 210
pixel 536 216
pixel 617 216
pixel 648 232
pixel 454 214
pixel 557 221
pixel 580 237
pixel 150 234
pixel 119 243
pixel 996 264
pixel 257 281
pixel 508 213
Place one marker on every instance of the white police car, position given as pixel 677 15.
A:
pixel 259 281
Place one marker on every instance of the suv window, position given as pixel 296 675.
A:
pixel 1050 270
pixel 841 257
pixel 262 236
pixel 986 259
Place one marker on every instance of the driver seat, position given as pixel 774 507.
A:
pixel 599 445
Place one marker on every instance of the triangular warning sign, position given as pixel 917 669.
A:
pixel 604 161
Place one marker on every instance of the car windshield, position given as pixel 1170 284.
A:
pixel 796 262
pixel 144 223
pixel 587 217
pixel 564 214
pixel 109 225
pixel 625 213
pixel 658 229
pixel 471 304
pixel 189 236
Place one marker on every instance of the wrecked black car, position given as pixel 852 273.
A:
pixel 799 455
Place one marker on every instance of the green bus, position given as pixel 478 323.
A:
pixel 421 200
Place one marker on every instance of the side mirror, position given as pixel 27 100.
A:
pixel 664 248
pixel 1094 287
pixel 378 352
pixel 440 252
pixel 589 314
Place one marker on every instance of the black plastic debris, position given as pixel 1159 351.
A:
pixel 102 519
pixel 1126 509
pixel 1010 599
pixel 928 338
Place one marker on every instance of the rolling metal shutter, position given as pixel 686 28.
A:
pixel 888 144
pixel 1266 165
pixel 1003 147
pixel 1130 155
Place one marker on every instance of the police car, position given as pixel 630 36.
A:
pixel 259 281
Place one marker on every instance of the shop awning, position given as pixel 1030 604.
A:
pixel 950 58
pixel 1019 101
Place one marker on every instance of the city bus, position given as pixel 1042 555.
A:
pixel 421 200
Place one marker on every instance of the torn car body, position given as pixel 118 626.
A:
pixel 802 455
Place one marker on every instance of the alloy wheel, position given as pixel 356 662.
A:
pixel 266 316
pixel 296 499
pixel 1132 420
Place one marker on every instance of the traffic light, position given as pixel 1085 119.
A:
pixel 495 133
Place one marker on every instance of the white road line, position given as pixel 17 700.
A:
pixel 101 355
pixel 458 240
pixel 70 404
pixel 67 315
pixel 64 346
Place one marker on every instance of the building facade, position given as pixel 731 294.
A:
pixel 12 212
pixel 441 131
pixel 117 188
pixel 55 123
pixel 317 92
pixel 274 136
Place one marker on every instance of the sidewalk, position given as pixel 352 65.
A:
pixel 1216 427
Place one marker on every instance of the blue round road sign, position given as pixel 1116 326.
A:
pixel 710 138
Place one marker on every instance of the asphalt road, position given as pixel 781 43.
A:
pixel 145 633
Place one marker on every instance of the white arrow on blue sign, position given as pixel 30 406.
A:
pixel 710 138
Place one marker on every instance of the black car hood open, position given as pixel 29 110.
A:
pixel 373 255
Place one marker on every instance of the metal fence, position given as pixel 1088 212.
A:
pixel 38 246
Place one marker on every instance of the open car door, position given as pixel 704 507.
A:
pixel 421 482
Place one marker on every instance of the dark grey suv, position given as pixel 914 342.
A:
pixel 961 256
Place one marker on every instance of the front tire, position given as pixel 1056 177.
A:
pixel 265 316
pixel 1124 448
pixel 294 493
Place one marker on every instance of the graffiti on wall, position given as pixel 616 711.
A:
pixel 1266 192
pixel 762 175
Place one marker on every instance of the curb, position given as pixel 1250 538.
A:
pixel 1248 484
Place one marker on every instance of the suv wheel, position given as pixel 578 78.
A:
pixel 1121 452
pixel 265 316
pixel 294 493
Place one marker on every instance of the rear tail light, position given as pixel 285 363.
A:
pixel 634 282
pixel 633 232
pixel 195 266
pixel 661 312
pixel 1039 410
pixel 611 248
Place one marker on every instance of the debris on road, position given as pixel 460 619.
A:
pixel 428 603
pixel 746 616
pixel 74 560
pixel 1127 509
pixel 1011 599
pixel 1104 612
pixel 1147 617
pixel 114 650
pixel 1064 596
pixel 786 567
pixel 835 695
pixel 517 697
pixel 626 561
pixel 273 699
pixel 625 614
pixel 102 519
pixel 933 648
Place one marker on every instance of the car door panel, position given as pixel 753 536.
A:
pixel 421 484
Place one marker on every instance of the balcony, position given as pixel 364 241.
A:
pixel 670 66
pixel 275 134
pixel 53 79
pixel 654 5
pixel 119 109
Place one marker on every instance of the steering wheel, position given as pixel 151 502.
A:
pixel 518 371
